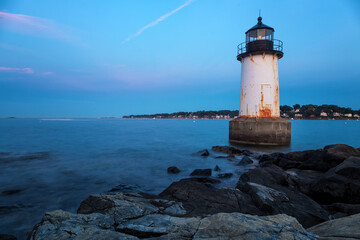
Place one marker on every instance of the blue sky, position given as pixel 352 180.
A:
pixel 118 57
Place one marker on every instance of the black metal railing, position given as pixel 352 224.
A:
pixel 244 47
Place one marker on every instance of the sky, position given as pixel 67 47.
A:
pixel 89 58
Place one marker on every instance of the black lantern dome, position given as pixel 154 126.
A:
pixel 260 40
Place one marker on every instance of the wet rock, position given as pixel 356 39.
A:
pixel 124 188
pixel 266 174
pixel 160 225
pixel 225 175
pixel 201 172
pixel 63 225
pixel 123 206
pixel 333 187
pixel 317 160
pixel 7 237
pixel 341 228
pixel 173 170
pixel 200 197
pixel 11 192
pixel 280 199
pixel 241 226
pixel 349 168
pixel 230 157
pixel 231 150
pixel 204 153
pixel 217 168
pixel 338 210
pixel 245 161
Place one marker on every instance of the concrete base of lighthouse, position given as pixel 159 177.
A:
pixel 260 131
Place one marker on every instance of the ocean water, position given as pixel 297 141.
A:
pixel 55 164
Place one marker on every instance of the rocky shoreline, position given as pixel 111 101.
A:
pixel 311 194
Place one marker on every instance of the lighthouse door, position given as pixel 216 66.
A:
pixel 266 101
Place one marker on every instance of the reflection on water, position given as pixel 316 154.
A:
pixel 47 165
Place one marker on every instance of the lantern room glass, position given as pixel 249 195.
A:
pixel 260 34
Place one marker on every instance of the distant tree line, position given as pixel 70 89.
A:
pixel 315 111
pixel 297 111
pixel 198 114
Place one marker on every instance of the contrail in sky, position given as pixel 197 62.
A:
pixel 157 21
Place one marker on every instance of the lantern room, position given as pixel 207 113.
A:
pixel 260 40
pixel 260 32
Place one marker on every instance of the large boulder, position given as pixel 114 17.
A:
pixel 333 187
pixel 349 168
pixel 200 197
pixel 338 229
pixel 318 160
pixel 266 174
pixel 160 226
pixel 287 201
pixel 123 206
pixel 63 225
pixel 342 209
pixel 241 226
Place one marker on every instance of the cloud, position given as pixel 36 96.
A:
pixel 17 70
pixel 46 73
pixel 31 25
pixel 157 21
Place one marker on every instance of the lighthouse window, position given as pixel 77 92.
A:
pixel 260 34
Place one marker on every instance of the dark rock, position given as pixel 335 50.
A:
pixel 241 226
pixel 245 161
pixel 157 225
pixel 266 174
pixel 333 187
pixel 341 228
pixel 173 170
pixel 7 237
pixel 95 204
pixel 225 175
pixel 201 172
pixel 199 197
pixel 349 168
pixel 303 180
pixel 230 157
pixel 11 192
pixel 123 206
pixel 124 188
pixel 217 168
pixel 204 153
pixel 231 150
pixel 342 209
pixel 284 200
pixel 270 157
pixel 339 152
pixel 63 225
pixel 318 160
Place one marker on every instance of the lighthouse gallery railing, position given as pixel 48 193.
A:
pixel 277 46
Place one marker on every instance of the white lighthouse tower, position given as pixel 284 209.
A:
pixel 259 119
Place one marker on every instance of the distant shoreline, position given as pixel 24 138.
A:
pixel 310 111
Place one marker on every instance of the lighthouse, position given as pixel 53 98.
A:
pixel 259 120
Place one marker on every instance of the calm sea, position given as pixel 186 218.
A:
pixel 55 164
